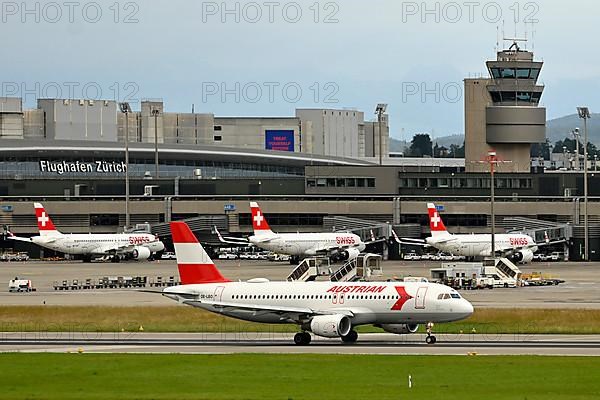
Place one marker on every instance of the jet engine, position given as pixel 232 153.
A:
pixel 140 253
pixel 330 326
pixel 523 256
pixel 349 254
pixel 399 329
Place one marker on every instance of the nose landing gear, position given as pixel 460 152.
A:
pixel 430 339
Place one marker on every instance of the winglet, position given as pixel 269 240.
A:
pixel 396 238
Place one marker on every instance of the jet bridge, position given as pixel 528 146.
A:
pixel 538 229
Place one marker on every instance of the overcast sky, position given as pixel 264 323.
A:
pixel 269 58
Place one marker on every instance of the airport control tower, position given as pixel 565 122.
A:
pixel 502 112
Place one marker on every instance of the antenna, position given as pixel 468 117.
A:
pixel 533 36
pixel 497 48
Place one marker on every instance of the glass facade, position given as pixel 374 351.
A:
pixel 512 73
pixel 31 167
pixel 512 96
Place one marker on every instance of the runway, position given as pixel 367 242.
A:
pixel 281 343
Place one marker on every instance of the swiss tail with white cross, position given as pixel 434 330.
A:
pixel 259 222
pixel 435 222
pixel 44 222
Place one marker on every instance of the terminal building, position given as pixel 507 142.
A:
pixel 316 170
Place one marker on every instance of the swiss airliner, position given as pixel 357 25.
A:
pixel 137 246
pixel 326 309
pixel 337 245
pixel 519 247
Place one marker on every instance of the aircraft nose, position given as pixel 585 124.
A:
pixel 466 309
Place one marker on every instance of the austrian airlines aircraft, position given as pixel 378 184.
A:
pixel 518 247
pixel 138 246
pixel 327 309
pixel 342 246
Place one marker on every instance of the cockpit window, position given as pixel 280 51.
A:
pixel 446 296
pixel 455 295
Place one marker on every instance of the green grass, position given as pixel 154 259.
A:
pixel 188 319
pixel 114 376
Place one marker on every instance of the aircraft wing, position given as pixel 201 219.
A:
pixel 11 236
pixel 374 239
pixel 329 249
pixel 412 242
pixel 294 314
pixel 409 241
pixel 112 249
pixel 231 240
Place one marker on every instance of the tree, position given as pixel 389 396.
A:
pixel 457 151
pixel 541 150
pixel 420 145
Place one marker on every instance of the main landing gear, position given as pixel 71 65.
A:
pixel 430 339
pixel 302 338
pixel 351 337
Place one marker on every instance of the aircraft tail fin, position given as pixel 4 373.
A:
pixel 195 266
pixel 435 222
pixel 259 222
pixel 45 224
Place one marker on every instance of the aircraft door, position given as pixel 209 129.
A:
pixel 218 293
pixel 420 300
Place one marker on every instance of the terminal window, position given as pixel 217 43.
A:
pixel 341 182
pixel 285 219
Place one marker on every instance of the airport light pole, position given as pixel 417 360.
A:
pixel 380 110
pixel 492 159
pixel 126 109
pixel 576 136
pixel 584 114
pixel 155 113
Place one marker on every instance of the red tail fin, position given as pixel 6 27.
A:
pixel 435 221
pixel 44 222
pixel 259 223
pixel 195 266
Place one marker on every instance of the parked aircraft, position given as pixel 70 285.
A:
pixel 337 245
pixel 137 246
pixel 516 246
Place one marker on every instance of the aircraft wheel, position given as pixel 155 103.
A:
pixel 351 337
pixel 430 339
pixel 302 338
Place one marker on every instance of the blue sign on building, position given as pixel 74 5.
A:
pixel 280 140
